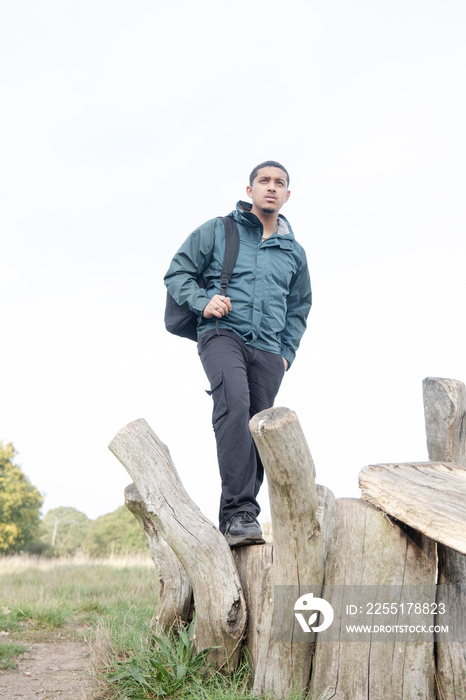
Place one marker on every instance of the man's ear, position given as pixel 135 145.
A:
pixel 249 191
pixel 287 195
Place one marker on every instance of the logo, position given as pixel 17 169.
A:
pixel 308 603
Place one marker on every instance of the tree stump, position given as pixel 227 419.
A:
pixel 175 592
pixel 284 666
pixel 254 566
pixel 366 549
pixel 202 550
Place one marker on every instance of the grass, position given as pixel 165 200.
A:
pixel 9 652
pixel 109 604
pixel 129 663
pixel 43 599
pixel 164 667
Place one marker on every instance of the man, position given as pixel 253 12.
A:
pixel 260 325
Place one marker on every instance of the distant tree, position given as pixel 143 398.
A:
pixel 115 533
pixel 64 530
pixel 20 504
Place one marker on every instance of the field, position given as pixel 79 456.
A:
pixel 108 605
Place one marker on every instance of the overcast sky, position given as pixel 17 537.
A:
pixel 125 125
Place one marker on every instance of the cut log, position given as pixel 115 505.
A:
pixel 254 566
pixel 365 550
pixel 284 666
pixel 175 592
pixel 445 409
pixel 202 550
pixel 429 496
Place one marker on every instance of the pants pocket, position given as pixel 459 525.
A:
pixel 219 396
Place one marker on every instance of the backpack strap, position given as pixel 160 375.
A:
pixel 231 254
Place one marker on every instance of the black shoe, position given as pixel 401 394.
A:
pixel 243 529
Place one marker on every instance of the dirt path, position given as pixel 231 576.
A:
pixel 57 671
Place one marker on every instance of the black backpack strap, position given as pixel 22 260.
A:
pixel 231 254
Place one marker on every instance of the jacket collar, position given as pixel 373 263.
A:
pixel 243 215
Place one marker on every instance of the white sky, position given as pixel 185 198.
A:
pixel 124 125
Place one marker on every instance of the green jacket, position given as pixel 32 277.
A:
pixel 270 288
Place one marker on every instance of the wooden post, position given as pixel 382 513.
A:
pixel 367 549
pixel 254 566
pixel 175 592
pixel 200 547
pixel 445 416
pixel 284 667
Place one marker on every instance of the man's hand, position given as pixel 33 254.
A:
pixel 285 362
pixel 218 306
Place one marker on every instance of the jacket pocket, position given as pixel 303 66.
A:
pixel 219 396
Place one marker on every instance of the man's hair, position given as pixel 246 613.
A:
pixel 268 164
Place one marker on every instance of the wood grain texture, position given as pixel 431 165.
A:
pixel 254 566
pixel 367 549
pixel 202 550
pixel 284 666
pixel 445 418
pixel 325 515
pixel 444 410
pixel 175 591
pixel 429 496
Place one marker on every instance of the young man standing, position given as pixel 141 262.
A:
pixel 260 325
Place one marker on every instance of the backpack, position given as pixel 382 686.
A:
pixel 179 319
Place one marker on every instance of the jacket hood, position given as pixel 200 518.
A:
pixel 244 215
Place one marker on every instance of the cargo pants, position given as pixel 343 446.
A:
pixel 243 381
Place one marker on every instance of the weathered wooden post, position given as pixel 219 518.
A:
pixel 175 592
pixel 202 550
pixel 284 666
pixel 368 551
pixel 445 414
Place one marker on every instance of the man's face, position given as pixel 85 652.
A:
pixel 269 191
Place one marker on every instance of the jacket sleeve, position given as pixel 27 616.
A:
pixel 188 263
pixel 299 305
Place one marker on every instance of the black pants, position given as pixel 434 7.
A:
pixel 243 381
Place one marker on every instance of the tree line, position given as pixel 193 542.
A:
pixel 62 531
